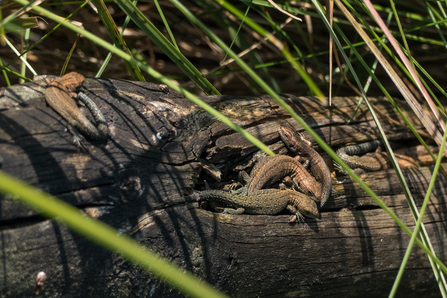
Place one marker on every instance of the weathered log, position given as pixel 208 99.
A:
pixel 136 182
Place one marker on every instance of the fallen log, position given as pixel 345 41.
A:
pixel 161 148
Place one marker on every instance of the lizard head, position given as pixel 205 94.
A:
pixel 291 139
pixel 309 209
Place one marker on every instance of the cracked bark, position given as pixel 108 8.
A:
pixel 136 181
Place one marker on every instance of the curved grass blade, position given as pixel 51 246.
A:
pixel 275 41
pixel 109 56
pixel 312 134
pixel 419 224
pixel 434 130
pixel 243 132
pixel 5 75
pixel 166 46
pixel 153 73
pixel 404 89
pixel 106 236
pixel 117 38
pixel 46 35
pixel 20 24
pixel 67 60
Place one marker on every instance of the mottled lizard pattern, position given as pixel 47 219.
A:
pixel 266 201
pixel 272 169
pixel 297 145
pixel 58 96
pixel 350 155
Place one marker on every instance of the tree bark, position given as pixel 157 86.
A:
pixel 161 147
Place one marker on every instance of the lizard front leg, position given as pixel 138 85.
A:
pixel 237 211
pixel 297 217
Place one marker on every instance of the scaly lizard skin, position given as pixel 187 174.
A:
pixel 265 201
pixel 57 96
pixel 318 167
pixel 350 156
pixel 271 169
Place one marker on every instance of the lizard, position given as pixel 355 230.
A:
pixel 300 146
pixel 265 201
pixel 271 169
pixel 349 155
pixel 372 162
pixel 58 97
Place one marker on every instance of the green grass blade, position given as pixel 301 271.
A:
pixel 418 225
pixel 108 237
pixel 2 29
pixel 109 56
pixel 5 69
pixel 406 93
pixel 20 24
pixel 420 86
pixel 116 37
pixel 404 89
pixel 166 46
pixel 313 135
pixel 276 42
pixel 11 46
pixel 165 22
pixel 46 35
pixel 25 43
pixel 67 59
pixel 5 75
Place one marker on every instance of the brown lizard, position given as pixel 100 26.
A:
pixel 265 201
pixel 58 97
pixel 298 145
pixel 271 169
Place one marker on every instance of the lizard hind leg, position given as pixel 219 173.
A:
pixel 245 179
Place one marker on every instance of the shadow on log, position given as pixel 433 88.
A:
pixel 161 147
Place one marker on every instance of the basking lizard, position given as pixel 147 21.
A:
pixel 298 145
pixel 265 201
pixel 350 156
pixel 271 169
pixel 58 96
